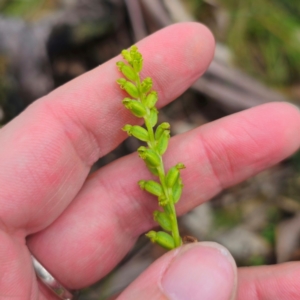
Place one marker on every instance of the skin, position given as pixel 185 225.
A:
pixel 80 226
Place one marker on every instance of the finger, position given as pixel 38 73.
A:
pixel 47 151
pixel 110 212
pixel 269 282
pixel 18 280
pixel 17 277
pixel 196 271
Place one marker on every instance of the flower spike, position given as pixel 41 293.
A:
pixel 168 187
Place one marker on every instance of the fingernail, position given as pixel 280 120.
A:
pixel 204 271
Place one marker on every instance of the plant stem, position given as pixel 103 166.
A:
pixel 170 207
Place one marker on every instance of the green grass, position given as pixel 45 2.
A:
pixel 226 218
pixel 263 35
pixel 28 10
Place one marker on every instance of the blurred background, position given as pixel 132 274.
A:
pixel 45 43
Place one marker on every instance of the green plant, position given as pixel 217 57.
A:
pixel 264 37
pixel 17 8
pixel 142 104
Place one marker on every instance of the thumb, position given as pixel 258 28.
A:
pixel 203 271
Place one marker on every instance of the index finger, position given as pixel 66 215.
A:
pixel 46 152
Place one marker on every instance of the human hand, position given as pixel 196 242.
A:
pixel 79 227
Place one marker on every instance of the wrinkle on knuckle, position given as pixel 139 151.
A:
pixel 219 161
pixel 80 136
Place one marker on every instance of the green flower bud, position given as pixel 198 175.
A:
pixel 136 107
pixel 126 55
pixel 120 64
pixel 127 71
pixel 150 157
pixel 162 200
pixel 177 190
pixel 133 49
pixel 173 175
pixel 121 82
pixel 137 65
pixel 160 129
pixel 151 99
pixel 151 187
pixel 137 131
pixel 162 143
pixel 146 85
pixel 153 170
pixel 161 238
pixel 129 87
pixel 163 220
pixel 127 128
pixel 153 116
pixel 137 59
pixel 180 166
pixel 127 100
